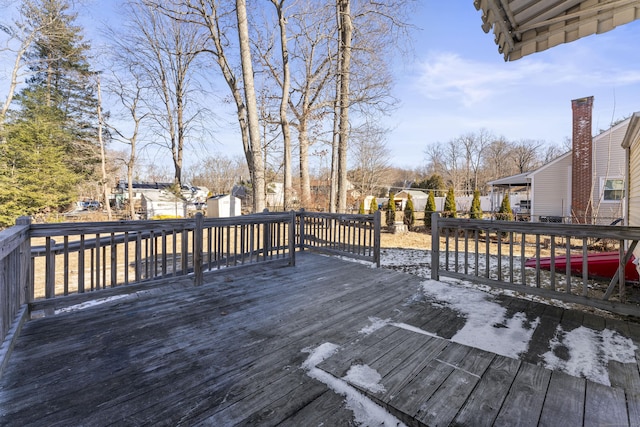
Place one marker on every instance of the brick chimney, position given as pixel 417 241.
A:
pixel 581 171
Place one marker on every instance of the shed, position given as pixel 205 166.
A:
pixel 162 204
pixel 223 206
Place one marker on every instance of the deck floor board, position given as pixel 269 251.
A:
pixel 231 352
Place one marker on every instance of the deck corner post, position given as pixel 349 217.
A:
pixel 292 238
pixel 435 247
pixel 197 249
pixel 377 225
pixel 25 278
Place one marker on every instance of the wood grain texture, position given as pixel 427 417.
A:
pixel 231 352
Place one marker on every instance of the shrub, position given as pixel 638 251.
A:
pixel 476 210
pixel 373 207
pixel 450 205
pixel 505 214
pixel 391 210
pixel 409 214
pixel 429 208
pixel 361 210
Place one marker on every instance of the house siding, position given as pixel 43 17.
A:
pixel 609 160
pixel 552 203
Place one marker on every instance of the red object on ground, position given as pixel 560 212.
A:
pixel 600 265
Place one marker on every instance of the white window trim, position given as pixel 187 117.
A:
pixel 602 182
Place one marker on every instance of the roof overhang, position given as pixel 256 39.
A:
pixel 523 27
pixel 632 135
pixel 519 180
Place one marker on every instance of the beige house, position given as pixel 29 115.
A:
pixel 587 183
pixel 631 144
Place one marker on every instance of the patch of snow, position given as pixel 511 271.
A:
pixel 486 326
pixel 414 329
pixel 586 353
pixel 93 303
pixel 365 411
pixel 376 324
pixel 365 377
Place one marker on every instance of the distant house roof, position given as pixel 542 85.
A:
pixel 524 27
pixel 519 180
pixel 415 194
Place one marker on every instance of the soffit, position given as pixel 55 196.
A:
pixel 523 27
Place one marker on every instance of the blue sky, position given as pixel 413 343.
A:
pixel 460 83
pixel 457 82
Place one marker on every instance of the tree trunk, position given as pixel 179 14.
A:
pixel 284 103
pixel 257 171
pixel 105 185
pixel 344 55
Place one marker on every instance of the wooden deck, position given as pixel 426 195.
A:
pixel 231 352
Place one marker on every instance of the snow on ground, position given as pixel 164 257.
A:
pixel 365 411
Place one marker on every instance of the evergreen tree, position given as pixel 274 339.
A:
pixel 373 206
pixel 391 210
pixel 505 214
pixel 361 210
pixel 450 210
pixel 476 210
pixel 409 214
pixel 51 136
pixel 429 208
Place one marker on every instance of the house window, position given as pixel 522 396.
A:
pixel 613 189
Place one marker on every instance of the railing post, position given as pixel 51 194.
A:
pixel 435 247
pixel 25 276
pixel 198 239
pixel 292 238
pixel 301 230
pixel 377 223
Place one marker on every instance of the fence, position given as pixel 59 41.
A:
pixel 536 259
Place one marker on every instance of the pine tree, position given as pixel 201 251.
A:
pixel 505 214
pixel 373 206
pixel 361 210
pixel 429 208
pixel 409 214
pixel 391 210
pixel 450 210
pixel 476 209
pixel 51 136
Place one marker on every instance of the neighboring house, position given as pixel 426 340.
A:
pixel 583 185
pixel 162 204
pixel 631 144
pixel 195 197
pixel 223 206
pixel 418 197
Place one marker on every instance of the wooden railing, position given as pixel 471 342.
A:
pixel 44 267
pixel 495 253
pixel 14 292
pixel 356 236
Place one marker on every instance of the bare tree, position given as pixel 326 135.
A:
pixel 474 144
pixel 370 159
pixel 218 172
pixel 345 30
pixel 285 84
pixel 103 160
pixel 525 154
pixel 218 23
pixel 128 87
pixel 166 49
